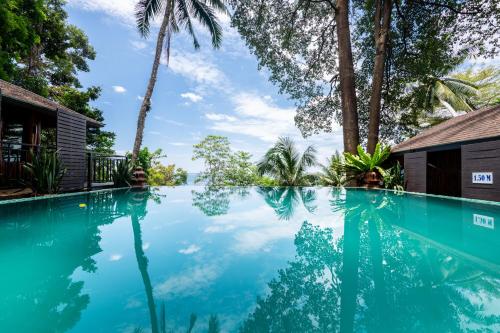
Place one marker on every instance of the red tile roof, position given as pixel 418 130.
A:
pixel 480 124
pixel 17 93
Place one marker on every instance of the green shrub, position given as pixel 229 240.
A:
pixel 46 171
pixel 393 178
pixel 122 174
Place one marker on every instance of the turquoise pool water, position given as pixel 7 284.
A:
pixel 190 259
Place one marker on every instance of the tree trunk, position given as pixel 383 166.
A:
pixel 382 27
pixel 347 78
pixel 142 262
pixel 146 103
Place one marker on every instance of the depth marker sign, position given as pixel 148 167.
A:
pixel 482 177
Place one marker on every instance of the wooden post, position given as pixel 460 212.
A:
pixel 1 134
pixel 89 171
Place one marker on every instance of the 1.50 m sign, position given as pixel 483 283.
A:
pixel 482 177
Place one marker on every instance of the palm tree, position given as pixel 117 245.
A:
pixel 451 93
pixel 284 163
pixel 176 14
pixel 332 174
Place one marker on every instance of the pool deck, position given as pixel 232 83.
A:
pixel 15 193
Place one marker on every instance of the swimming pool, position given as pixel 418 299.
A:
pixel 249 260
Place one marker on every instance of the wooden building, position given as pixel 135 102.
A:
pixel 459 157
pixel 28 122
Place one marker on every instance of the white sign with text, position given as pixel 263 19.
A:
pixel 482 177
pixel 484 221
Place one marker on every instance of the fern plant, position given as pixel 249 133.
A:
pixel 122 174
pixel 45 171
pixel 365 162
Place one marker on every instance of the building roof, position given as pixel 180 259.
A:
pixel 11 91
pixel 476 125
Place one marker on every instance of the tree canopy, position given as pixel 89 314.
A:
pixel 296 42
pixel 42 52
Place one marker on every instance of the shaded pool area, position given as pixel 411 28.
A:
pixel 194 259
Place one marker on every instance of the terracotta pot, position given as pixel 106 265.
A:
pixel 371 179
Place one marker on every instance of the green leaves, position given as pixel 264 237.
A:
pixel 46 171
pixel 122 174
pixel 181 14
pixel 365 162
pixel 284 163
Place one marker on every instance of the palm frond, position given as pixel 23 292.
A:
pixel 206 16
pixel 145 11
pixel 182 13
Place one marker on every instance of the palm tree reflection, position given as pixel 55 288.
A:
pixel 284 200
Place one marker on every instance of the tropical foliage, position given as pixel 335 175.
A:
pixel 174 14
pixel 222 165
pixel 287 165
pixel 158 174
pixel 42 52
pixel 394 178
pixel 365 162
pixel 166 175
pixel 311 57
pixel 333 173
pixel 122 174
pixel 46 171
pixel 487 81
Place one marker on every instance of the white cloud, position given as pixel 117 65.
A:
pixel 190 249
pixel 121 9
pixel 258 118
pixel 178 144
pixel 119 89
pixel 169 121
pixel 196 68
pixel 192 97
pixel 219 117
pixel 190 282
pixel 115 257
pixel 138 44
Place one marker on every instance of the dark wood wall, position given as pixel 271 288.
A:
pixel 415 168
pixel 481 157
pixel 71 143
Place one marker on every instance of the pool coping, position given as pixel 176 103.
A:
pixel 62 195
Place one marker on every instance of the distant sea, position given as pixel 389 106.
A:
pixel 191 178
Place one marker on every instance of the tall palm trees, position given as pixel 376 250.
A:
pixel 284 163
pixel 175 14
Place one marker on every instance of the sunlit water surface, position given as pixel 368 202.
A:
pixel 190 259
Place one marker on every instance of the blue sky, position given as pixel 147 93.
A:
pixel 200 92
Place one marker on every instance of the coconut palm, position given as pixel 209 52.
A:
pixel 284 163
pixel 451 93
pixel 332 174
pixel 176 14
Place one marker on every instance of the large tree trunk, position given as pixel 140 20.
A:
pixel 381 32
pixel 146 103
pixel 347 78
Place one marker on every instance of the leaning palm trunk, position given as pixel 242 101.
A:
pixel 146 103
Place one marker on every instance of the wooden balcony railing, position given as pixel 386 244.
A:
pixel 13 157
pixel 100 169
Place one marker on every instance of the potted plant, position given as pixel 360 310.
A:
pixel 367 167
